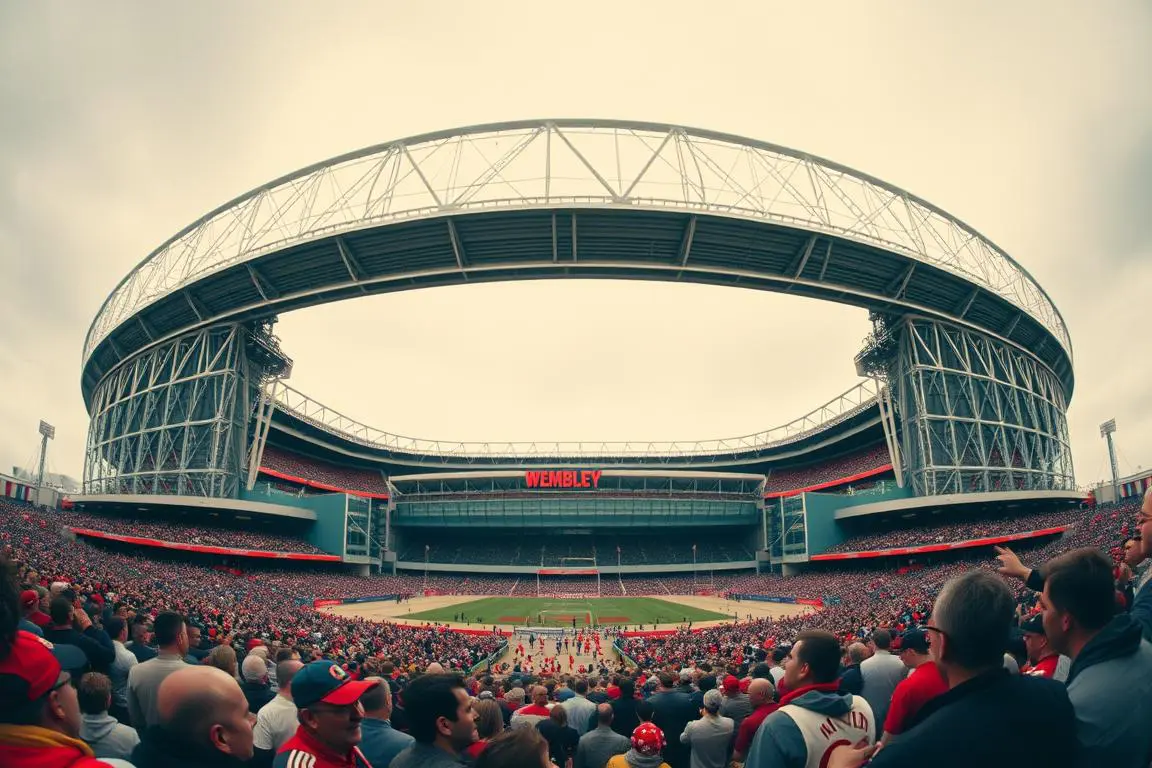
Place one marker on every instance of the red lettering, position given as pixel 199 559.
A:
pixel 532 479
pixel 545 479
pixel 827 728
pixel 596 478
pixel 557 479
pixel 584 481
pixel 858 720
pixel 569 478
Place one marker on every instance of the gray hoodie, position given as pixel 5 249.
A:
pixel 781 743
pixel 108 737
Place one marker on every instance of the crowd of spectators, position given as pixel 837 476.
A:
pixel 315 471
pixel 557 550
pixel 200 531
pixel 917 532
pixel 841 467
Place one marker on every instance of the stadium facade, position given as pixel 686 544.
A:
pixel 965 381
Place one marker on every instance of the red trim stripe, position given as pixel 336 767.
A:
pixel 321 486
pixel 205 549
pixel 831 483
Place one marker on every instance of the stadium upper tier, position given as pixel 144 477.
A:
pixel 573 198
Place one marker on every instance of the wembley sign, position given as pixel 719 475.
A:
pixel 563 478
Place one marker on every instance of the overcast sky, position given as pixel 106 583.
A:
pixel 121 123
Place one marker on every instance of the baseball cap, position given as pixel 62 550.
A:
pixel 915 640
pixel 731 684
pixel 648 739
pixel 1034 624
pixel 33 666
pixel 326 681
pixel 29 598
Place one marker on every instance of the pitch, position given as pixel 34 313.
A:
pixel 562 612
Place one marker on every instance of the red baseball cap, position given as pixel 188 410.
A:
pixel 731 684
pixel 327 681
pixel 648 739
pixel 29 598
pixel 33 667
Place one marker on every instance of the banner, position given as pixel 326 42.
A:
pixel 929 548
pixel 205 549
pixel 817 602
pixel 322 603
pixel 368 599
pixel 766 598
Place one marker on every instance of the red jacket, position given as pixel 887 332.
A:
pixel 303 742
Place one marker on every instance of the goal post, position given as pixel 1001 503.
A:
pixel 564 617
pixel 574 578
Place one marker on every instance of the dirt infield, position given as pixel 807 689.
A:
pixel 390 610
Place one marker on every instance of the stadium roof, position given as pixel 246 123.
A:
pixel 574 198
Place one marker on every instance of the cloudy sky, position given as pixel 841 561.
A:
pixel 121 123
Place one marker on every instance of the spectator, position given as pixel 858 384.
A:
pixel 30 608
pixel 760 694
pixel 987 714
pixel 881 672
pixel 106 736
pixel 117 629
pixel 673 711
pixel 517 748
pixel 1110 682
pixel 708 738
pixel 380 741
pixel 202 721
pixel 144 679
pixel 1043 660
pixel 813 716
pixel 580 709
pixel 489 725
pixel 736 705
pixel 276 721
pixel 528 716
pixel 921 686
pixel 39 711
pixel 442 721
pixel 647 747
pixel 850 679
pixel 223 657
pixel 562 739
pixel 599 745
pixel 256 687
pixel 330 716
pixel 512 701
pixel 139 644
pixel 196 653
pixel 72 626
pixel 624 709
pixel 777 669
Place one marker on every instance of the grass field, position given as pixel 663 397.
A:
pixel 548 610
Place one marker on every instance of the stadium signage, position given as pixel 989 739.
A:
pixel 563 478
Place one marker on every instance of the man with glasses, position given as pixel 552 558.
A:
pixel 329 711
pixel 988 716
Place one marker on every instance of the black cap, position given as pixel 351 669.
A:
pixel 1034 624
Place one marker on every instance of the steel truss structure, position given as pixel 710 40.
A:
pixel 838 409
pixel 174 420
pixel 977 415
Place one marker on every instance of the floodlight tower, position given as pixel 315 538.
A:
pixel 1106 431
pixel 47 432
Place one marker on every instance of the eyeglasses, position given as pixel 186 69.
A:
pixel 936 630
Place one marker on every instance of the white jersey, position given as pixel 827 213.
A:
pixel 823 733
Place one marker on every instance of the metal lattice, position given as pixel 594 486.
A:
pixel 977 415
pixel 827 415
pixel 572 163
pixel 173 420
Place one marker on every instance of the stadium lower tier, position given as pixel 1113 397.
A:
pixel 559 549
pixel 240 604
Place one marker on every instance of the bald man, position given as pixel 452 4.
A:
pixel 203 720
pixel 600 744
pixel 760 694
pixel 537 711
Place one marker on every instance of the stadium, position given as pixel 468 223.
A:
pixel 200 452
